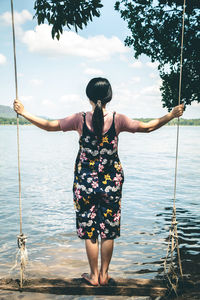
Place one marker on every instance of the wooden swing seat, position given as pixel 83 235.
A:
pixel 78 286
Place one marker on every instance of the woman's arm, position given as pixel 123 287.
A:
pixel 39 122
pixel 157 123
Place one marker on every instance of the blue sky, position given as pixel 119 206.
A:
pixel 53 75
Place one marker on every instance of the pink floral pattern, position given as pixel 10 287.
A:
pixel 98 181
pixel 118 179
pixel 83 157
pixel 114 142
pixel 95 184
pixel 100 168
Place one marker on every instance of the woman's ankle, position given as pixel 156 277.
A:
pixel 103 273
pixel 94 275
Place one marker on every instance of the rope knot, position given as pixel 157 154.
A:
pixel 21 240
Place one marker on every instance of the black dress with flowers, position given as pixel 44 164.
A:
pixel 97 185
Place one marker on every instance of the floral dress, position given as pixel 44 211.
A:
pixel 97 187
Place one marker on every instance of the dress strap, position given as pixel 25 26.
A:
pixel 84 115
pixel 114 113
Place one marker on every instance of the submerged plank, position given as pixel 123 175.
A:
pixel 77 286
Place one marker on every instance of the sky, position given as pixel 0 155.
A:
pixel 52 75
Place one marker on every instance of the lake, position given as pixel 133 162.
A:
pixel 148 160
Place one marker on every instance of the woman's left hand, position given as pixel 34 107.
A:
pixel 177 111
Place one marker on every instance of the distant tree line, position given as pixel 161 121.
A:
pixel 13 121
pixel 183 122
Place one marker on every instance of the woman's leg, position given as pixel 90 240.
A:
pixel 92 249
pixel 106 255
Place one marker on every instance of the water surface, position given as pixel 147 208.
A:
pixel 47 162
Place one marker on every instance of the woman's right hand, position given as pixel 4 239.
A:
pixel 177 111
pixel 18 107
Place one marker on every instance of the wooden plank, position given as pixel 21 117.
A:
pixel 78 286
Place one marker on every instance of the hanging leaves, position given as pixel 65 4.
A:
pixel 71 13
pixel 155 28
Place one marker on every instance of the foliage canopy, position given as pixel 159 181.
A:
pixel 155 27
pixel 72 13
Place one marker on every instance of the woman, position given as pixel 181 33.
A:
pixel 98 176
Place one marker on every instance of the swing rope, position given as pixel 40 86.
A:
pixel 21 238
pixel 169 270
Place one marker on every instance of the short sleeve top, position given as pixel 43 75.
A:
pixel 122 123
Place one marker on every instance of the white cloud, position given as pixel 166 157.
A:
pixel 138 64
pixel 26 98
pixel 70 43
pixel 36 82
pixel 136 79
pixel 123 57
pixel 153 75
pixel 48 104
pixel 19 18
pixel 70 99
pixel 159 82
pixel 136 101
pixel 91 71
pixel 152 90
pixel 2 59
pixel 152 65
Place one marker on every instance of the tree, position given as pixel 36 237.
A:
pixel 156 31
pixel 73 13
pixel 155 27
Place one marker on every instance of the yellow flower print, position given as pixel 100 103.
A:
pixel 77 206
pixel 79 167
pixel 105 139
pixel 90 234
pixel 107 177
pixel 86 201
pixel 118 166
pixel 92 162
pixel 92 228
pixel 109 211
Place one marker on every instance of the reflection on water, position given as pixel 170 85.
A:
pixel 189 242
pixel 48 214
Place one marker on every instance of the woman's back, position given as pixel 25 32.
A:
pixel 122 122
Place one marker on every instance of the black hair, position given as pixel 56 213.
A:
pixel 99 91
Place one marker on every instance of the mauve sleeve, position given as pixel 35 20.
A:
pixel 72 122
pixel 125 123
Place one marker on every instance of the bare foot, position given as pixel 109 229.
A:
pixel 90 279
pixel 104 279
